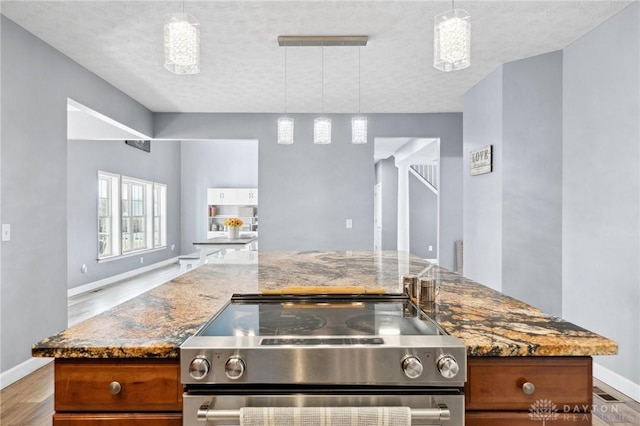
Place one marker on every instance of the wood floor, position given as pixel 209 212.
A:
pixel 29 402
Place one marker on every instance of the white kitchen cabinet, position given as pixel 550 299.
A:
pixel 221 196
pixel 232 196
pixel 247 196
pixel 223 203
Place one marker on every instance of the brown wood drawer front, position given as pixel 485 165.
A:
pixel 146 385
pixel 67 419
pixel 495 383
pixel 506 418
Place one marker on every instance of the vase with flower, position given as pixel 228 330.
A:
pixel 233 225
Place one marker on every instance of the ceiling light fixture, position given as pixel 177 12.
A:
pixel 181 43
pixel 359 123
pixel 322 125
pixel 452 40
pixel 285 124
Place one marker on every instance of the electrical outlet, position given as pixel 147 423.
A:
pixel 430 248
pixel 6 232
pixel 173 246
pixel 83 269
pixel 349 224
pixel 142 260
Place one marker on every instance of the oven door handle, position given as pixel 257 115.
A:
pixel 440 412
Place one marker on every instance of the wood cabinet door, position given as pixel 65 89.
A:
pixel 84 385
pixel 497 383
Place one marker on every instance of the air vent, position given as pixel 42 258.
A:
pixel 606 397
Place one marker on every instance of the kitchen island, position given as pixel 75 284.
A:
pixel 121 367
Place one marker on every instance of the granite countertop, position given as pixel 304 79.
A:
pixel 154 324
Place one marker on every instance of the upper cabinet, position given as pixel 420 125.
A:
pixel 232 196
pixel 247 196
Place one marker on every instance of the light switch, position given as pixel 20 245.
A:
pixel 430 248
pixel 6 232
pixel 349 224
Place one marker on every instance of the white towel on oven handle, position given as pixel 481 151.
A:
pixel 325 416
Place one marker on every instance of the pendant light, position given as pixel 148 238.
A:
pixel 452 40
pixel 285 124
pixel 359 123
pixel 322 125
pixel 181 43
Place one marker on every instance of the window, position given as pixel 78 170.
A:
pixel 108 215
pixel 132 215
pixel 159 215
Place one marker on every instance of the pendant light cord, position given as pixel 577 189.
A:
pixel 322 88
pixel 285 80
pixel 359 79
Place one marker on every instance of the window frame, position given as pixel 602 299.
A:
pixel 132 217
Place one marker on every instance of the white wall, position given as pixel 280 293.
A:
pixel 601 186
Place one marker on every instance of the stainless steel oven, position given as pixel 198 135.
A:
pixel 322 351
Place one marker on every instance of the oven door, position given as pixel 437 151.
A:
pixel 215 408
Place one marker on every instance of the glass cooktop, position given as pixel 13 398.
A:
pixel 353 320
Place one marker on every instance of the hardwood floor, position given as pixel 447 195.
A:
pixel 29 402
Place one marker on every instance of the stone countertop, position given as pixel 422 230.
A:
pixel 154 324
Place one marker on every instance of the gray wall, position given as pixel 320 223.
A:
pixel 423 208
pixel 513 216
pixel 601 186
pixel 212 164
pixel 389 181
pixel 423 219
pixel 531 181
pixel 314 189
pixel 570 164
pixel 85 158
pixel 36 81
pixel 483 193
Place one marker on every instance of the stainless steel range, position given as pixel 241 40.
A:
pixel 308 351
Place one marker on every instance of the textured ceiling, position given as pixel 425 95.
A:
pixel 242 67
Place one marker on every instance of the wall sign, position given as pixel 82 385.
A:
pixel 140 144
pixel 481 161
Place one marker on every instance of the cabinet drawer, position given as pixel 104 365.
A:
pixel 145 385
pixel 160 419
pixel 485 418
pixel 496 383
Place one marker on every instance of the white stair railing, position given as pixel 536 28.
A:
pixel 427 174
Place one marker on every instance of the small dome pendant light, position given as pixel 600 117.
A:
pixel 285 124
pixel 322 125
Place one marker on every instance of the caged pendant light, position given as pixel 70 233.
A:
pixel 359 123
pixel 452 40
pixel 322 125
pixel 285 124
pixel 181 43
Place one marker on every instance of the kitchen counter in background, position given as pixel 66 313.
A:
pixel 154 324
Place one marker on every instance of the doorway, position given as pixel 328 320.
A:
pixel 406 196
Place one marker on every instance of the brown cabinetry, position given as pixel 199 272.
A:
pixel 127 392
pixel 516 390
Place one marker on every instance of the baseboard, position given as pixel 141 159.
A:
pixel 110 280
pixel 16 373
pixel 616 381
